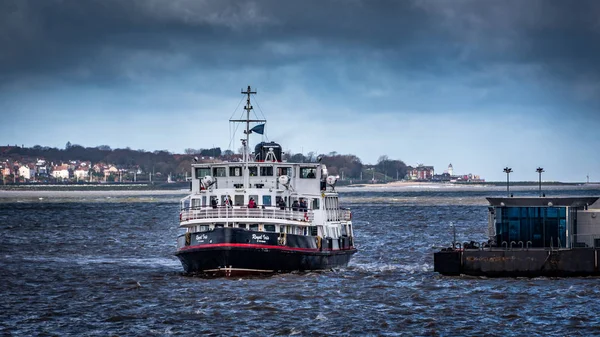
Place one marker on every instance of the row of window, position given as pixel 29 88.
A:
pixel 263 171
pixel 243 200
pixel 311 230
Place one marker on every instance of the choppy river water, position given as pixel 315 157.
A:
pixel 80 263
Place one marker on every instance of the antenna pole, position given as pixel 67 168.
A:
pixel 245 142
pixel 248 107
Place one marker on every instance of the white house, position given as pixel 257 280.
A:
pixel 41 167
pixel 81 173
pixel 26 172
pixel 110 170
pixel 61 171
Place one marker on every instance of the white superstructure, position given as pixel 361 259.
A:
pixel 287 198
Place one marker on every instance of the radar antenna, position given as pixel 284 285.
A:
pixel 270 155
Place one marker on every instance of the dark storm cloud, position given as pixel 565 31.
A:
pixel 95 40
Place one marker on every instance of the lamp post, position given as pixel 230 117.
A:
pixel 453 234
pixel 539 170
pixel 507 170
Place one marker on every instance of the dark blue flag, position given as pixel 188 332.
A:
pixel 260 128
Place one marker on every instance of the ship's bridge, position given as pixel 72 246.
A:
pixel 301 177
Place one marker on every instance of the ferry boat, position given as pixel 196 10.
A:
pixel 262 215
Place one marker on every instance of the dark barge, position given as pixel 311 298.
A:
pixel 531 237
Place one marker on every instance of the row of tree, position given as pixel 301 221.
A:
pixel 347 166
pixel 350 166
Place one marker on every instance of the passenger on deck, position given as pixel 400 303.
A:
pixel 281 204
pixel 214 203
pixel 303 205
pixel 295 205
pixel 251 203
pixel 227 201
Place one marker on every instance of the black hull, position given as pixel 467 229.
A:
pixel 231 252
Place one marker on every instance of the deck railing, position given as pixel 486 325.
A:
pixel 244 212
pixel 345 214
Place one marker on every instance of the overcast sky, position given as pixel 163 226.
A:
pixel 479 84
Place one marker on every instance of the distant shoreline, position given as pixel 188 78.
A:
pixel 486 183
pixel 145 186
pixel 181 187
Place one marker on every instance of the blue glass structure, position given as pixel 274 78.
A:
pixel 541 226
pixel 536 222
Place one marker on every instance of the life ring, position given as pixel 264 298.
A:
pixel 305 216
pixel 318 242
pixel 188 238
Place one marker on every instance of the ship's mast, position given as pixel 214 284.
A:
pixel 248 107
pixel 245 142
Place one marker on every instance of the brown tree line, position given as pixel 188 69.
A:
pixel 348 166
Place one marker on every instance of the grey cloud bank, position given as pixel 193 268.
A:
pixel 435 73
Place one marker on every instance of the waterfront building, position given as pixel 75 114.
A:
pixel 545 236
pixel 27 171
pixel 61 171
pixel 81 173
pixel 41 167
pixel 421 172
pixel 563 222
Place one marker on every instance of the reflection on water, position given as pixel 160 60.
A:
pixel 106 267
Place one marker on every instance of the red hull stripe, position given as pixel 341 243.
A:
pixel 252 245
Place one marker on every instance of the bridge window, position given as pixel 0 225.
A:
pixel 202 172
pixel 269 228
pixel 284 171
pixel 266 171
pixel 253 171
pixel 253 227
pixel 235 171
pixel 308 172
pixel 219 172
